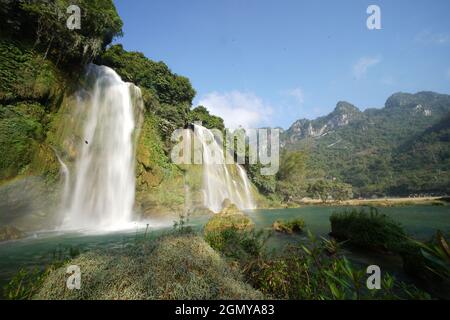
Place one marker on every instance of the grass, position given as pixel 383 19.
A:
pixel 315 271
pixel 175 266
pixel 27 282
pixel 221 222
pixel 429 263
pixel 236 265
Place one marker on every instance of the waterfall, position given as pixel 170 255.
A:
pixel 102 192
pixel 220 180
pixel 64 170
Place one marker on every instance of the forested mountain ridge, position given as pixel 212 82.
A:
pixel 401 149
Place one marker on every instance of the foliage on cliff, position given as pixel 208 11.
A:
pixel 156 76
pixel 30 90
pixel 40 62
pixel 201 114
pixel 43 23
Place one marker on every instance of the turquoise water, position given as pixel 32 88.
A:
pixel 420 222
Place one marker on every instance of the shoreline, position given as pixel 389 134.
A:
pixel 380 202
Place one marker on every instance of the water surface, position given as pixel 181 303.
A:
pixel 420 222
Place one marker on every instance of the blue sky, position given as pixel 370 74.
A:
pixel 257 62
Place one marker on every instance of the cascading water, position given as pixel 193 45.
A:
pixel 66 177
pixel 102 192
pixel 220 180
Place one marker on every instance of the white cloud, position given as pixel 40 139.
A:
pixel 297 94
pixel 363 64
pixel 428 37
pixel 237 108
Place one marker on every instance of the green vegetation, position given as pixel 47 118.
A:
pixel 209 121
pixel 316 271
pixel 295 181
pixel 429 262
pixel 173 93
pixel 238 244
pixel 233 263
pixel 43 23
pixel 229 217
pixel 291 226
pixel 368 230
pixel 291 184
pixel 399 150
pixel 154 76
pixel 40 73
pixel 27 282
pixel 325 190
pixel 310 272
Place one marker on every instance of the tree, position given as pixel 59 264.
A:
pixel 292 166
pixel 321 189
pixel 291 184
pixel 168 87
pixel 208 120
pixel 44 24
pixel 341 191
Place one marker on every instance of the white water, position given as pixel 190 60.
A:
pixel 221 181
pixel 66 176
pixel 102 192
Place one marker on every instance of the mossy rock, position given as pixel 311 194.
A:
pixel 172 267
pixel 229 217
pixel 201 211
pixel 10 233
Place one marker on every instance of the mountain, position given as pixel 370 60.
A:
pixel 343 114
pixel 400 149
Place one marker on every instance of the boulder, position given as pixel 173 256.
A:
pixel 229 216
pixel 10 233
pixel 289 227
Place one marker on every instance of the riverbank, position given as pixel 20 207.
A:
pixel 380 202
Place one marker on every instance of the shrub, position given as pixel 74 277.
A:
pixel 238 244
pixel 429 263
pixel 371 230
pixel 317 271
pixel 292 226
pixel 302 272
pixel 44 24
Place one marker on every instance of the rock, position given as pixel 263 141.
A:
pixel 231 210
pixel 343 114
pixel 230 216
pixel 289 227
pixel 278 226
pixel 201 211
pixel 10 233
